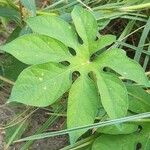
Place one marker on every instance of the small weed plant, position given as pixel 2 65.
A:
pixel 78 60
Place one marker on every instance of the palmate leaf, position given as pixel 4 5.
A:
pixel 124 142
pixel 44 82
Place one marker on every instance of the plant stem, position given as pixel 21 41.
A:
pixel 84 5
pixel 45 13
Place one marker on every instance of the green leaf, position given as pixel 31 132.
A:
pixel 113 95
pixel 125 128
pixel 124 142
pixel 43 48
pixel 30 5
pixel 82 105
pixel 119 62
pixel 10 13
pixel 139 99
pixel 102 42
pixel 85 24
pixel 54 27
pixel 41 85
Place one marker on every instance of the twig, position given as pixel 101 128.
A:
pixel 147 73
pixel 6 80
pixel 54 5
pixel 85 5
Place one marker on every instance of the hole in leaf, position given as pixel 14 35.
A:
pixel 138 146
pixel 106 69
pixel 96 54
pixel 75 75
pixel 65 63
pixel 72 51
pixel 139 129
pixel 80 40
pixel 96 38
pixel 92 58
pixel 92 75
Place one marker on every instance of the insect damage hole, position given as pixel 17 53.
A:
pixel 65 63
pixel 139 129
pixel 105 69
pixel 80 40
pixel 72 51
pixel 138 146
pixel 75 75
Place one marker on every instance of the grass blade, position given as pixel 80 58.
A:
pixel 147 58
pixel 95 125
pixel 142 41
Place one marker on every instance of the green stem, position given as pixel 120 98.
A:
pixel 46 13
